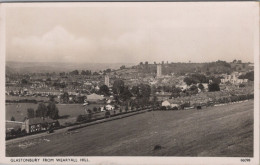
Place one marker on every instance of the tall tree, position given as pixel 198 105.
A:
pixel 126 94
pixel 104 90
pixel 30 113
pixel 118 87
pixel 65 97
pixel 52 110
pixel 12 118
pixel 41 110
pixel 213 87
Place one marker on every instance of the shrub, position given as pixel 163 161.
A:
pixel 213 87
pixel 163 108
pixel 80 118
pixel 107 114
pixel 12 118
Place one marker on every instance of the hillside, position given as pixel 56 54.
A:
pixel 225 131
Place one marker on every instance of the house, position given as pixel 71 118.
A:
pixel 110 107
pixel 38 124
pixel 233 78
pixel 94 97
pixel 169 104
pixel 166 103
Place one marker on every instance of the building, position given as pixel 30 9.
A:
pixel 38 124
pixel 107 80
pixel 110 107
pixel 170 104
pixel 233 78
pixel 159 70
pixel 94 97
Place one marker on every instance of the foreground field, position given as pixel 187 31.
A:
pixel 216 131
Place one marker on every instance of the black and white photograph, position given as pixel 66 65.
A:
pixel 130 79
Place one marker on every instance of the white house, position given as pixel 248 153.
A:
pixel 166 103
pixel 110 107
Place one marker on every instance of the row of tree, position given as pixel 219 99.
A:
pixel 50 111
pixel 200 78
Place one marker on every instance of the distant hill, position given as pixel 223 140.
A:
pixel 9 70
pixel 38 67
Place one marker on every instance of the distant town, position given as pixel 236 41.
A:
pixel 38 102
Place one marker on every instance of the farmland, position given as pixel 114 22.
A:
pixel 214 131
pixel 68 112
pixel 19 111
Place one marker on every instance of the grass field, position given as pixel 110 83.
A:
pixel 215 131
pixel 19 111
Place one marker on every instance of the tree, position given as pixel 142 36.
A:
pixel 201 87
pixel 122 67
pixel 75 72
pixel 95 109
pixel 104 90
pixel 41 110
pixel 95 73
pixel 194 89
pixel 65 97
pixel 52 110
pixel 248 75
pixel 24 81
pixel 30 113
pixel 118 87
pixel 12 118
pixel 83 72
pixel 176 92
pixel 213 87
pixel 89 114
pixel 188 80
pixel 80 118
pixel 135 90
pixel 126 94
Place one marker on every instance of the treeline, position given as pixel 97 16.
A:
pixel 248 75
pixel 217 67
pixel 77 72
pixel 50 111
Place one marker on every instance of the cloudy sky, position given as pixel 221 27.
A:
pixel 130 32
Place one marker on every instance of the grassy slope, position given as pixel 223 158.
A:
pixel 216 131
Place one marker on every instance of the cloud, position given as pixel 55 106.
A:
pixel 59 45
pixel 54 45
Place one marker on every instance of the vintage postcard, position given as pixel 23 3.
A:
pixel 129 83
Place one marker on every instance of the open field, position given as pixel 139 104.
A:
pixel 70 111
pixel 215 131
pixel 19 110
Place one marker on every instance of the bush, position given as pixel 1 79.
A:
pixel 80 118
pixel 185 105
pixel 213 87
pixel 12 118
pixel 107 114
pixel 199 107
pixel 163 108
